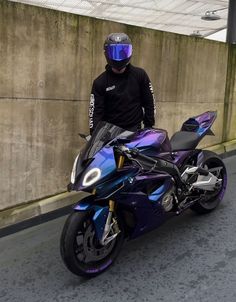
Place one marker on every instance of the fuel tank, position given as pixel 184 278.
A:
pixel 150 141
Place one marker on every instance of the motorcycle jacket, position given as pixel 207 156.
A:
pixel 124 99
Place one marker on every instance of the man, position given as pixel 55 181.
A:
pixel 123 94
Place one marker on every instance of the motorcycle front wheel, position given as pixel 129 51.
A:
pixel 81 251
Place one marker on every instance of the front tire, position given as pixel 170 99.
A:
pixel 215 165
pixel 81 251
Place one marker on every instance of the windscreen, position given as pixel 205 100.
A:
pixel 103 134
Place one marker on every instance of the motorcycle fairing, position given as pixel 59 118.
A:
pixel 145 205
pixel 105 160
pixel 112 185
pixel 200 123
pixel 147 215
pixel 98 151
pixel 157 194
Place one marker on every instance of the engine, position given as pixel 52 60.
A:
pixel 169 200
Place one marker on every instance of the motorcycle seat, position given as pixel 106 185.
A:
pixel 184 140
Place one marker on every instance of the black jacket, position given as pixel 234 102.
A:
pixel 122 99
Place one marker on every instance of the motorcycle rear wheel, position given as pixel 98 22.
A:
pixel 81 251
pixel 208 204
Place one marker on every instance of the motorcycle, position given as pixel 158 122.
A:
pixel 137 180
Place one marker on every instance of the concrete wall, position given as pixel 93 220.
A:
pixel 48 60
pixel 188 75
pixel 229 132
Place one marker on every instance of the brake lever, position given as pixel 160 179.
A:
pixel 130 153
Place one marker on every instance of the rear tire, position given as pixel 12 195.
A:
pixel 86 257
pixel 207 205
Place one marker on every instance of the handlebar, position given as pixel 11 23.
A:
pixel 135 153
pixel 151 165
pixel 145 162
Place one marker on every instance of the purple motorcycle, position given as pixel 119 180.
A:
pixel 137 181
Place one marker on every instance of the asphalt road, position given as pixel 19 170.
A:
pixel 190 258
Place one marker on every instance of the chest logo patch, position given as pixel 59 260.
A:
pixel 110 88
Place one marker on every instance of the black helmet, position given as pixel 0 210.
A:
pixel 118 50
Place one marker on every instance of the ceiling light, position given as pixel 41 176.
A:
pixel 210 16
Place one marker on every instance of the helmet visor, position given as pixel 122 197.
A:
pixel 118 52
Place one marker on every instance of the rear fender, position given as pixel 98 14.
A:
pixel 99 213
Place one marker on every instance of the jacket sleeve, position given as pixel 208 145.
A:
pixel 148 101
pixel 96 106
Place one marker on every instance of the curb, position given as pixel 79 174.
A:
pixel 27 215
pixel 224 149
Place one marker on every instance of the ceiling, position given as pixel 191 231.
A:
pixel 179 16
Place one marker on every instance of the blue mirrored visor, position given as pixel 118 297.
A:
pixel 119 52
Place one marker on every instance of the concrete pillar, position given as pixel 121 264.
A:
pixel 229 122
pixel 231 27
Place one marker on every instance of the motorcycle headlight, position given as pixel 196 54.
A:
pixel 73 173
pixel 91 177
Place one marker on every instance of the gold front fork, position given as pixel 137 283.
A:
pixel 111 222
pixel 111 205
pixel 121 161
pixel 120 165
